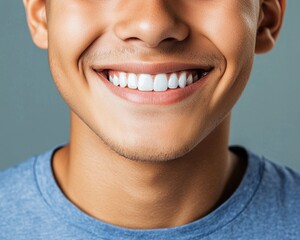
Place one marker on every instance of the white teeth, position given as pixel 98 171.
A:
pixel 132 81
pixel 173 81
pixel 116 80
pixel 145 82
pixel 182 80
pixel 123 79
pixel 189 80
pixel 160 82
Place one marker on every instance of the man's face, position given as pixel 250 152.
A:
pixel 88 40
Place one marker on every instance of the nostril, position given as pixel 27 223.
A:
pixel 169 39
pixel 134 40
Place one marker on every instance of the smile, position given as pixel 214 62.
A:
pixel 153 87
pixel 159 82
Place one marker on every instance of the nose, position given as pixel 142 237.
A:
pixel 150 23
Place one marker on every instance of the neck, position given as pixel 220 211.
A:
pixel 141 195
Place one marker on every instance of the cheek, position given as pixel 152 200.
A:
pixel 73 26
pixel 231 27
pixel 234 35
pixel 236 40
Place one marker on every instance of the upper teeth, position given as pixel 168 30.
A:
pixel 158 82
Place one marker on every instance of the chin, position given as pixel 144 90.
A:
pixel 150 150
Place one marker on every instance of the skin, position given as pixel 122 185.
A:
pixel 145 166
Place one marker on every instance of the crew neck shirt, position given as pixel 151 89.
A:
pixel 265 205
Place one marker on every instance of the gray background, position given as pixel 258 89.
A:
pixel 33 117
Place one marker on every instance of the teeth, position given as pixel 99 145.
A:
pixel 145 82
pixel 160 82
pixel 132 81
pixel 116 80
pixel 123 79
pixel 173 81
pixel 182 80
pixel 189 80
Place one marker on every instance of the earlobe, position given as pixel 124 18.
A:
pixel 269 24
pixel 37 21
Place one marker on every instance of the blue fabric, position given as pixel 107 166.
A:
pixel 265 206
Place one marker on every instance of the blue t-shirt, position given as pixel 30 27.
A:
pixel 266 205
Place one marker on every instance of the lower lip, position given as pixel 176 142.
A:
pixel 168 97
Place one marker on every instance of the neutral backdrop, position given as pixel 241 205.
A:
pixel 33 117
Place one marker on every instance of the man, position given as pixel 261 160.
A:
pixel 150 85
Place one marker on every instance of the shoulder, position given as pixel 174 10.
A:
pixel 275 205
pixel 276 178
pixel 275 184
pixel 280 187
pixel 269 175
pixel 19 193
pixel 269 198
pixel 20 196
pixel 16 182
pixel 23 210
pixel 280 183
pixel 284 179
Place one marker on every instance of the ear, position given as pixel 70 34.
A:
pixel 269 24
pixel 37 21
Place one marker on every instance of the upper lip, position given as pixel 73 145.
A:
pixel 152 68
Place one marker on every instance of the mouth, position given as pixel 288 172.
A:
pixel 158 82
pixel 147 86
